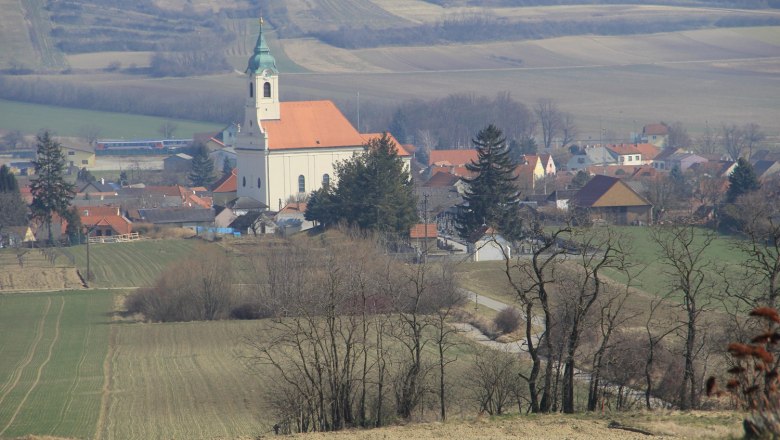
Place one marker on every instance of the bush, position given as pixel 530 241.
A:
pixel 250 310
pixel 507 320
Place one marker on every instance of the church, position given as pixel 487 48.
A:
pixel 286 150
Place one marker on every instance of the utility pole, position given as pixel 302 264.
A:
pixel 425 228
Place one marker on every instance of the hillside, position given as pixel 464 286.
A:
pixel 636 60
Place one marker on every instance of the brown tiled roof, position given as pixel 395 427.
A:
pixel 649 151
pixel 418 231
pixel 604 191
pixel 624 149
pixel 441 180
pixel 311 124
pixel 452 157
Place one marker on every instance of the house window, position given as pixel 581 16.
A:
pixel 301 184
pixel 258 182
pixel 267 90
pixel 243 181
pixel 71 153
pixel 251 90
pixel 85 162
pixel 325 180
pixel 108 232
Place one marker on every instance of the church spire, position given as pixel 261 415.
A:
pixel 261 59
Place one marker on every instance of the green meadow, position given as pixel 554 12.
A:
pixel 30 118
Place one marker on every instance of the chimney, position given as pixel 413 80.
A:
pixel 102 180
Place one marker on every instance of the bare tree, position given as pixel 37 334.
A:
pixel 444 332
pixel 531 280
pixel 709 141
pixel 493 380
pixel 598 250
pixel 682 251
pixel 678 135
pixel 611 317
pixel 753 137
pixel 90 133
pixel 733 139
pixel 656 330
pixel 167 129
pixel 550 120
pixel 568 130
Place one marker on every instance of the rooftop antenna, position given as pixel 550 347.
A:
pixel 358 111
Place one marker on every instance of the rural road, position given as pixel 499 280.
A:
pixel 520 347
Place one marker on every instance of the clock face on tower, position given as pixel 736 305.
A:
pixel 267 73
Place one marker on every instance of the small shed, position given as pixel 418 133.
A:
pixel 178 163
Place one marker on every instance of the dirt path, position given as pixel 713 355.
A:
pixel 105 400
pixel 17 374
pixel 37 380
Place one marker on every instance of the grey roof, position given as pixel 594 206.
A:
pixel 177 215
pixel 246 203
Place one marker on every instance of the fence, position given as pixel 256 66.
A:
pixel 114 238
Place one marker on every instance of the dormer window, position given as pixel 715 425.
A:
pixel 267 90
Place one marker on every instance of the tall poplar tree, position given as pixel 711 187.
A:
pixel 491 195
pixel 51 192
pixel 13 211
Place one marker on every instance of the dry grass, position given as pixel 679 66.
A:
pixel 558 426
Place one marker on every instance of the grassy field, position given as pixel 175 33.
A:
pixel 134 264
pixel 30 118
pixel 51 362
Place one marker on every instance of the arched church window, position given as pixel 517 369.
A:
pixel 243 181
pixel 251 90
pixel 325 180
pixel 267 90
pixel 258 182
pixel 301 184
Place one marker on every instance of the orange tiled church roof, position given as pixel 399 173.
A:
pixel 310 124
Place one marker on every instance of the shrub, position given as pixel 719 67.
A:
pixel 507 320
pixel 754 377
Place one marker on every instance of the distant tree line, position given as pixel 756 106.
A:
pixel 483 27
pixel 209 106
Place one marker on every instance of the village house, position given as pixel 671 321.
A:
pixel 656 134
pixel 424 237
pixel 610 200
pixel 104 221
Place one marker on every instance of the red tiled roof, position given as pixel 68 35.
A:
pixel 399 149
pixel 310 124
pixel 118 223
pixel 294 208
pixel 441 180
pixel 649 151
pixel 227 184
pixel 452 157
pixel 419 230
pixel 655 130
pixel 98 211
pixel 623 149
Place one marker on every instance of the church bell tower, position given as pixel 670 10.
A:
pixel 263 78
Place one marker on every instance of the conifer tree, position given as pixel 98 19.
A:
pixel 51 193
pixel 491 195
pixel 742 181
pixel 13 211
pixel 373 191
pixel 202 173
pixel 226 168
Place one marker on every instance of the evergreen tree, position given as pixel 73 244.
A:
pixel 491 195
pixel 522 147
pixel 580 179
pixel 202 173
pixel 123 180
pixel 84 175
pixel 398 126
pixel 226 168
pixel 373 191
pixel 13 211
pixel 51 193
pixel 7 180
pixel 742 181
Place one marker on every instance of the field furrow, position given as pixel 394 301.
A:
pixel 17 373
pixel 40 368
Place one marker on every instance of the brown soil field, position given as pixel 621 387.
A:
pixel 557 426
pixel 14 278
